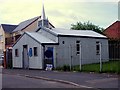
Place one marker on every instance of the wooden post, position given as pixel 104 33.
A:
pixel 80 59
pixel 100 58
pixel 70 48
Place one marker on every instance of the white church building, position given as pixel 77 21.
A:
pixel 58 47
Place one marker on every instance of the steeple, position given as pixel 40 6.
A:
pixel 43 13
pixel 43 21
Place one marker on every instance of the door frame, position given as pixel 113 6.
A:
pixel 51 48
pixel 23 57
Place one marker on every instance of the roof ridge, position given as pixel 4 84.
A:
pixel 9 24
pixel 30 19
pixel 26 23
pixel 111 25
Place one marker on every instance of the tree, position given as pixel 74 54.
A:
pixel 87 26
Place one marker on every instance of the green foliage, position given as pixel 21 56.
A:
pixel 76 68
pixel 111 66
pixel 64 68
pixel 86 26
pixel 107 67
pixel 91 68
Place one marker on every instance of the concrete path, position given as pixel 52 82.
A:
pixel 85 80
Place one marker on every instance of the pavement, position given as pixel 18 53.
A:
pixel 84 80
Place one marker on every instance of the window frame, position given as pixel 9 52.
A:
pixel 1 37
pixel 63 42
pixel 97 48
pixel 35 51
pixel 77 47
pixel 16 53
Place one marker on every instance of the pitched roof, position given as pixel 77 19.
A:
pixel 8 28
pixel 117 23
pixel 25 24
pixel 61 32
pixel 40 38
pixel 113 31
pixel 81 33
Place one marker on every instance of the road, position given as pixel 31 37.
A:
pixel 15 81
pixel 84 79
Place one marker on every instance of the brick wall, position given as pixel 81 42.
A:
pixel 113 31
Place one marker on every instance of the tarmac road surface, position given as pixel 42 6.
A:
pixel 14 81
pixel 85 80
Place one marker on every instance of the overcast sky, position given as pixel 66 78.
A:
pixel 61 13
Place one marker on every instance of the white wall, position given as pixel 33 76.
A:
pixel 62 52
pixel 34 61
pixel 88 51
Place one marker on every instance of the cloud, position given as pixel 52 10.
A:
pixel 102 14
pixel 66 1
pixel 62 13
pixel 14 11
pixel 119 11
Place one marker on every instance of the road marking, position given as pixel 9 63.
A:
pixel 102 80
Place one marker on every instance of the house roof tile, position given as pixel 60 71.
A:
pixel 68 32
pixel 40 38
pixel 8 28
pixel 25 24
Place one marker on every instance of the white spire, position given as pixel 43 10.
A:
pixel 43 12
pixel 43 21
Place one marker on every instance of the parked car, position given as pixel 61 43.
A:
pixel 1 60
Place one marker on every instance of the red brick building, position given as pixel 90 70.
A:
pixel 113 31
pixel 113 34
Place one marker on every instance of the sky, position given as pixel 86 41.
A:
pixel 61 13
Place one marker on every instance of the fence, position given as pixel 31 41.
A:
pixel 114 50
pixel 98 57
pixel 8 58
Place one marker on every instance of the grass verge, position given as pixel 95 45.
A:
pixel 107 67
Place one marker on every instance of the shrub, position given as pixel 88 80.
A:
pixel 66 68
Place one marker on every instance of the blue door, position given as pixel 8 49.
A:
pixel 49 56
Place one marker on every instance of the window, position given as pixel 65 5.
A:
pixel 77 47
pixel 63 42
pixel 97 48
pixel 0 37
pixel 16 53
pixel 35 51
